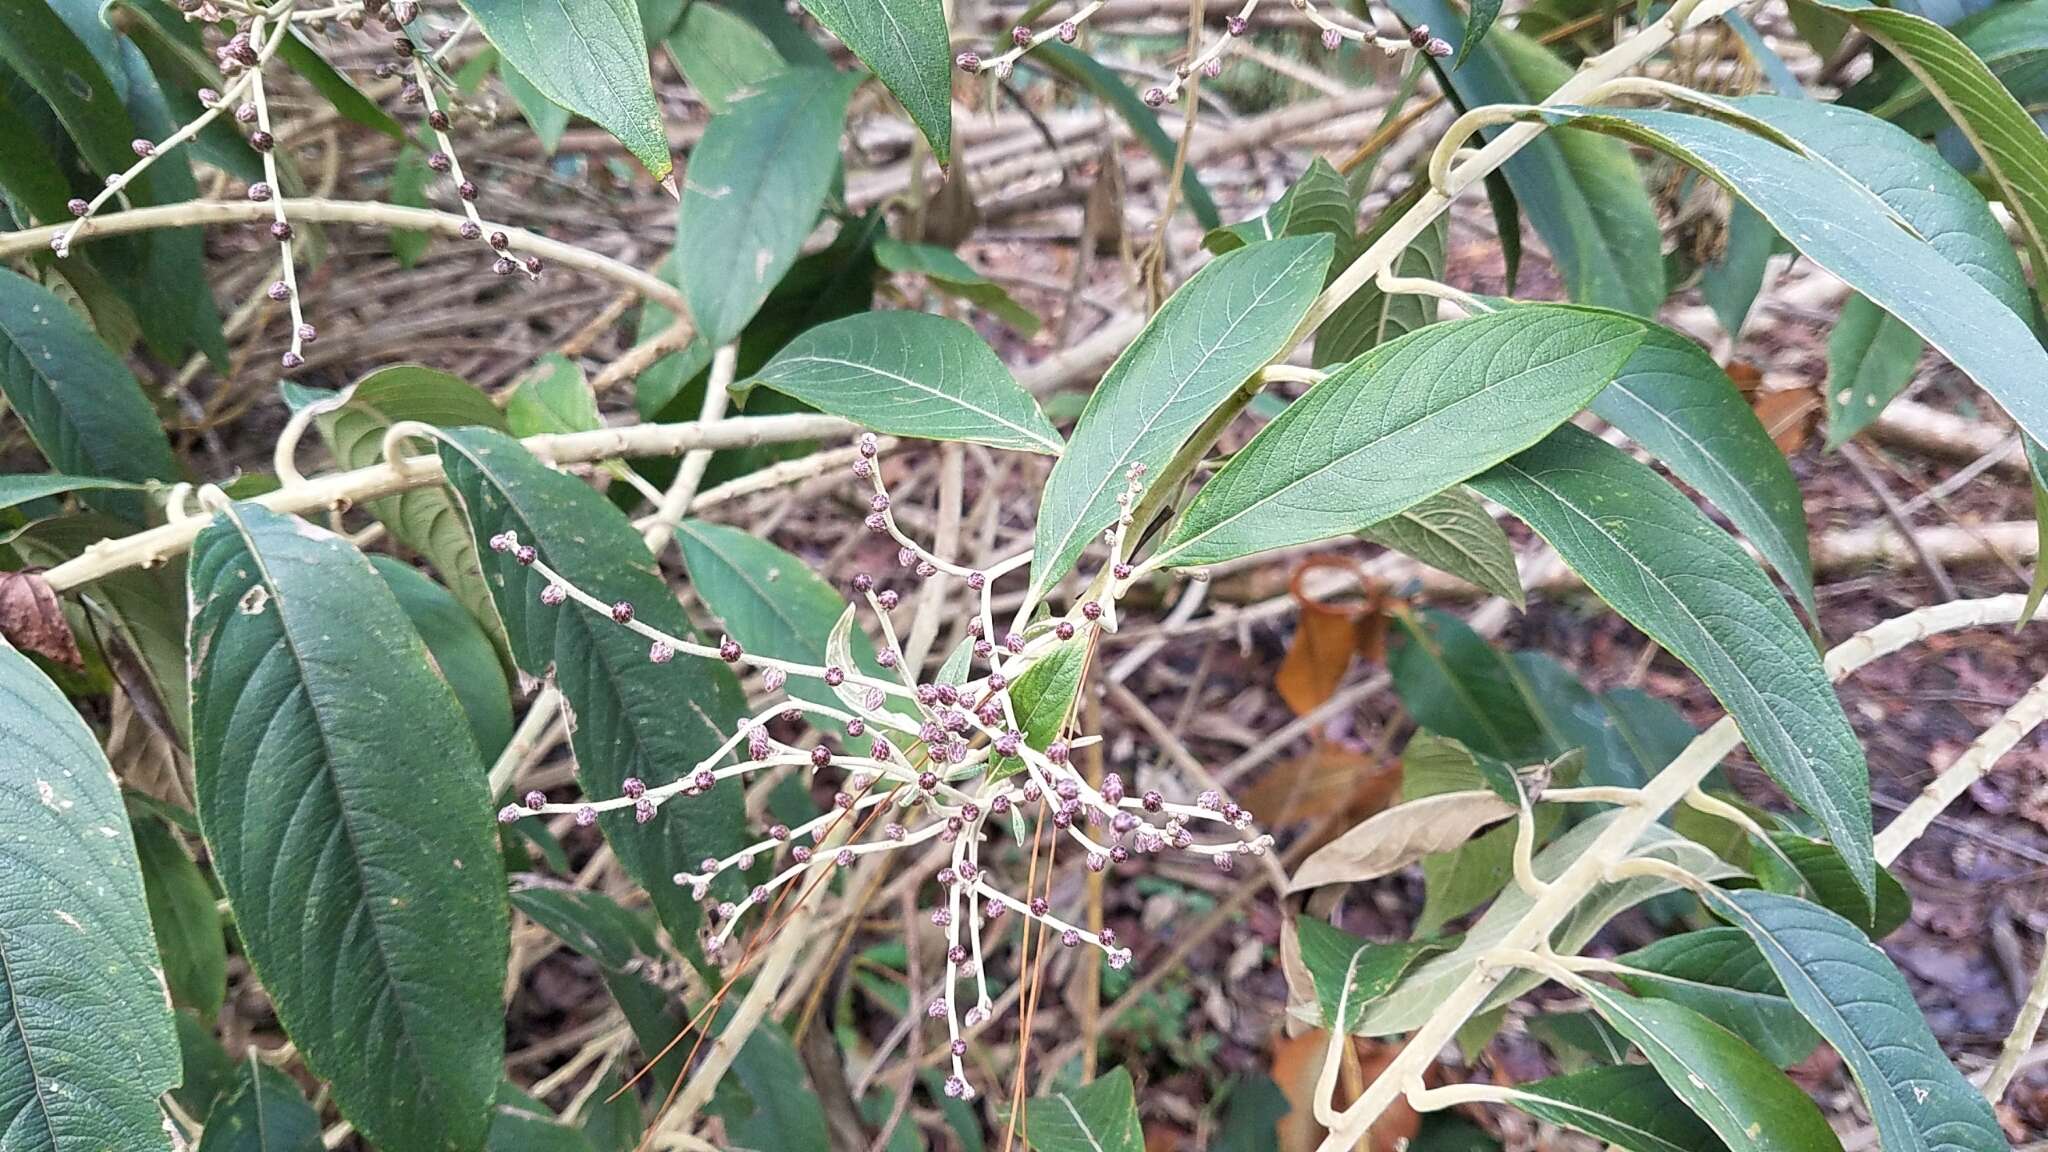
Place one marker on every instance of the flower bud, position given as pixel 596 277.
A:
pixel 1068 31
pixel 291 360
pixel 821 756
pixel 643 810
pixel 437 120
pixel 259 192
pixel 509 813
pixel 834 675
pixel 553 595
pixel 1064 630
pixel 262 141
pixel 968 62
pixel 887 598
pixel 660 652
pixel 633 787
pixel 1437 47
pixel 1332 39
pixel 467 190
pixel 622 612
pixel 280 291
pixel 535 799
pixel 856 727
pixel 280 230
pixel 440 162
pixel 586 816
pixel 245 113
pixel 1235 25
pixel 1155 97
pixel 1092 610
pixel 729 650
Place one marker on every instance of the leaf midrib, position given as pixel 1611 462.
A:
pixel 962 401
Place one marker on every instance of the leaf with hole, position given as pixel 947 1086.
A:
pixel 911 374
pixel 86 1036
pixel 1212 334
pixel 632 718
pixel 343 800
pixel 1650 553
pixel 1402 423
pixel 757 181
pixel 588 57
pixel 1856 999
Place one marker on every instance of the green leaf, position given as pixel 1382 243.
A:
pixel 1672 399
pixel 2037 460
pixel 209 1075
pixel 547 118
pixel 905 43
pixel 187 921
pixel 1730 282
pixel 757 180
pixel 1454 533
pixel 945 271
pixel 1317 204
pixel 425 520
pixel 462 652
pixel 592 924
pixel 634 718
pixel 1853 996
pixel 1456 684
pixel 1743 1097
pixel 1100 1116
pixel 343 801
pixel 340 92
pixel 1043 699
pixel 1718 973
pixel 86 1037
pixel 587 56
pixel 770 601
pixel 1350 972
pixel 265 1112
pixel 720 53
pixel 1224 324
pixel 1651 554
pixel 23 488
pixel 81 405
pixel 1401 423
pixel 519 1123
pixel 1579 1040
pixel 1814 870
pixel 1587 203
pixel 1871 359
pixel 1371 317
pixel 553 398
pixel 1080 68
pixel 1998 126
pixel 1422 992
pixel 1848 231
pixel 51 58
pixel 409 179
pixel 911 374
pixel 1624 1105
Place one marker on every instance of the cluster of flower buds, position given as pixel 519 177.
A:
pixel 1024 39
pixel 916 762
pixel 1209 61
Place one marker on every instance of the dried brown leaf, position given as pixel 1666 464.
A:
pixel 33 620
pixel 1791 416
pixel 1330 780
pixel 1400 836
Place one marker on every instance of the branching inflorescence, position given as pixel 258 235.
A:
pixel 245 53
pixel 919 762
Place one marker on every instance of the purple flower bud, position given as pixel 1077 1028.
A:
pixel 633 788
pixel 622 612
pixel 983 649
pixel 867 445
pixel 800 854
pixel 879 750
pixel 1437 47
pixel 536 798
pixel 993 908
pixel 997 682
pixel 660 652
pixel 1119 958
pixel 1235 25
pixel 856 727
pixel 821 756
pixel 844 858
pixel 1121 571
pixel 842 801
pixel 553 595
pixel 467 190
pixel 974 627
pixel 504 266
pixel 927 780
pixel 470 230
pixel 1092 610
pixel 525 554
pixel 1068 31
pixel 956 1088
pixel 1070 938
pixel 1020 36
pixel 308 334
pixel 291 360
pixel 1418 36
pixel 887 598
pixel 262 141
pixel 259 192
pixel 280 230
pixel 1154 802
pixel 533 265
pixel 835 675
pixel 1097 862
pixel 1212 67
pixel 208 97
pixel 1225 863
pixel 1056 751
pixel 78 207
pixel 440 162
pixel 991 713
pixel 728 649
pixel 879 502
pixel 773 679
pixel 643 810
pixel 1031 792
pixel 1332 38
pixel 1013 642
pixel 1155 97
pixel 926 570
pixel 586 816
pixel 977 581
pixel 927 694
pixel 509 813
pixel 1008 743
pixel 969 62
pixel 1040 906
pixel 876 522
pixel 437 120
pixel 1117 855
pixel 1210 799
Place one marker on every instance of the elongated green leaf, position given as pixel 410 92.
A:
pixel 1579 1040
pixel 757 180
pixel 1672 399
pixel 1814 870
pixel 770 601
pixel 1730 282
pixel 35 486
pixel 1080 68
pixel 1649 552
pixel 81 405
pixel 462 652
pixel 1743 1097
pixel 1853 996
pixel 1453 532
pixel 1100 1116
pixel 37 44
pixel 1627 736
pixel 338 90
pixel 720 53
pixel 263 1112
pixel 547 118
pixel 519 1123
pixel 1718 973
pixel 945 271
pixel 1847 230
pixel 1044 697
pixel 1998 126
pixel 905 43
pixel 634 718
pixel 2007 37
pixel 86 1038
pixel 1350 972
pixel 1320 202
pixel 1480 19
pixel 186 919
pixel 1401 423
pixel 1372 317
pixel 1225 323
pixel 1455 684
pixel 912 374
pixel 1871 358
pixel 553 398
pixel 425 520
pixel 1587 203
pixel 343 800
pixel 1422 992
pixel 1624 1105
pixel 588 57
pixel 622 941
